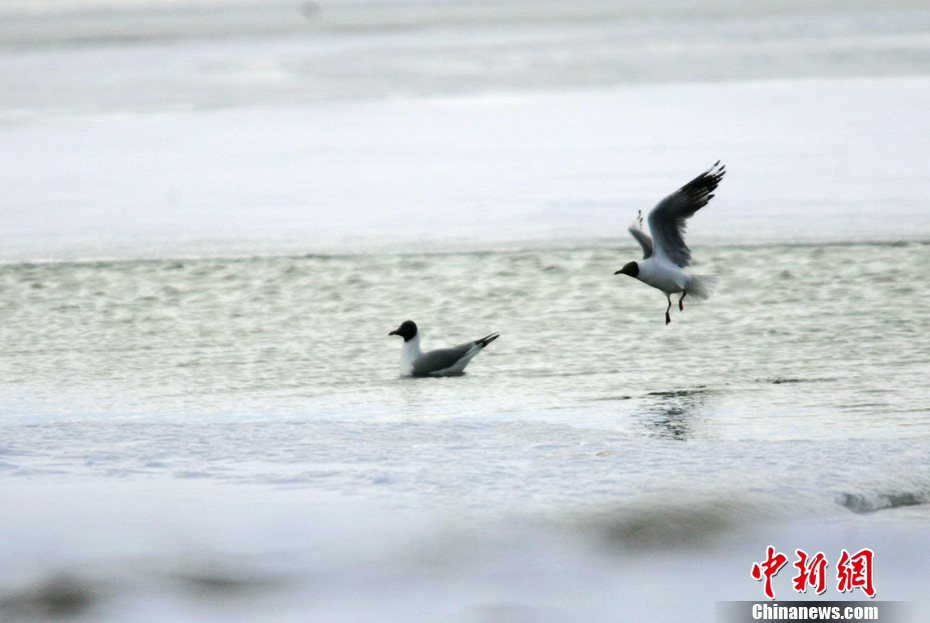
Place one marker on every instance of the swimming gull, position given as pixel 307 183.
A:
pixel 441 362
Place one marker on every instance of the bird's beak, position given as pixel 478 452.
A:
pixel 619 272
pixel 394 332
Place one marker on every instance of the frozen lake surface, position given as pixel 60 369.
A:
pixel 809 161
pixel 208 227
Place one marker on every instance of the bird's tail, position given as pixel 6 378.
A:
pixel 487 340
pixel 702 286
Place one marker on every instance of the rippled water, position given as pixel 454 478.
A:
pixel 799 342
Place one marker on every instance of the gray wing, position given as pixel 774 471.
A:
pixel 644 239
pixel 440 359
pixel 667 221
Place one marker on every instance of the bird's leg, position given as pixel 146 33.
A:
pixel 681 304
pixel 668 318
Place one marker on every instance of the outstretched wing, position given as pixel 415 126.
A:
pixel 667 221
pixel 644 239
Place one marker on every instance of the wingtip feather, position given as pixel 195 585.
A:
pixel 488 339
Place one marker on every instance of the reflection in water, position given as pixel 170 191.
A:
pixel 674 414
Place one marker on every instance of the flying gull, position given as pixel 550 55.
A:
pixel 441 362
pixel 665 252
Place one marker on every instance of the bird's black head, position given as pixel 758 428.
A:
pixel 407 330
pixel 631 269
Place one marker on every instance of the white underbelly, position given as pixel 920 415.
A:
pixel 665 278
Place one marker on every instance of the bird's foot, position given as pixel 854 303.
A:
pixel 681 301
pixel 668 318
